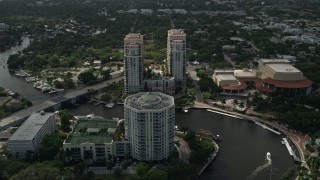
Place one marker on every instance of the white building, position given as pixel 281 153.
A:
pixel 29 135
pixel 163 84
pixel 93 139
pixel 133 63
pixel 149 125
pixel 176 56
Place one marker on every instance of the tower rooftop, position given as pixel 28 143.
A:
pixel 149 100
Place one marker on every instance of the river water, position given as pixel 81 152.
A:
pixel 242 151
pixel 10 81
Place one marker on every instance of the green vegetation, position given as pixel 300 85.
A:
pixel 45 170
pixel 50 146
pixel 112 92
pixel 65 117
pixel 291 110
pixel 10 167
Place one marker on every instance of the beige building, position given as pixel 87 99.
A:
pixel 279 69
pixel 133 63
pixel 272 75
pixel 176 56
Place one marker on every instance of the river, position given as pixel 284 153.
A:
pixel 10 81
pixel 242 151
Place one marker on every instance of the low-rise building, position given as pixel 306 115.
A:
pixel 272 75
pixel 163 84
pixel 29 135
pixel 95 139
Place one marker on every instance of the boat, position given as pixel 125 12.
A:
pixel 268 157
pixel 31 79
pixel 185 109
pixel 216 137
pixel 110 105
pixel 52 91
pixel 45 89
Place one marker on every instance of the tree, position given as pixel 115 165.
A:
pixel 234 102
pixel 158 174
pixel 45 170
pixel 65 117
pixel 142 169
pixel 106 74
pixel 109 165
pixel 87 78
pixel 50 146
pixel 125 165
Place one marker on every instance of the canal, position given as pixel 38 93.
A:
pixel 10 81
pixel 243 149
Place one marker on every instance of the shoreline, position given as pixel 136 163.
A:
pixel 210 159
pixel 297 139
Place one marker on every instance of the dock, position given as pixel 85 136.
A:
pixel 291 152
pixel 266 127
pixel 226 114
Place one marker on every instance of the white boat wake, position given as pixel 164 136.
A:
pixel 262 167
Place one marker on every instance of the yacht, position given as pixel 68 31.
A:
pixel 110 105
pixel 185 109
pixel 268 157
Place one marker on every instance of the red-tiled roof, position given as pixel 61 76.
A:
pixel 288 84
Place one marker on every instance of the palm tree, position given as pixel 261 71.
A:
pixel 234 103
pixel 109 165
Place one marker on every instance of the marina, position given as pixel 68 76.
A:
pixel 266 127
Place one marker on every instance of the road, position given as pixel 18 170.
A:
pixel 16 118
pixel 184 150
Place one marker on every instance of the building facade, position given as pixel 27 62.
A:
pixel 29 135
pixel 93 138
pixel 163 84
pixel 133 63
pixel 149 120
pixel 273 75
pixel 176 56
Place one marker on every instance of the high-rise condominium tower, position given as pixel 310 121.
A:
pixel 176 56
pixel 149 125
pixel 133 63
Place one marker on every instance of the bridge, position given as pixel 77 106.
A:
pixel 55 103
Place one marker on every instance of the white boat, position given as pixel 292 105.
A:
pixel 268 156
pixel 52 91
pixel 185 109
pixel 45 89
pixel 110 105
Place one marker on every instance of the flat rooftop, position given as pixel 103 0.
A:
pixel 227 77
pixel 275 60
pixel 29 129
pixel 149 100
pixel 283 68
pixel 134 36
pixel 92 129
pixel 176 32
pixel 244 73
